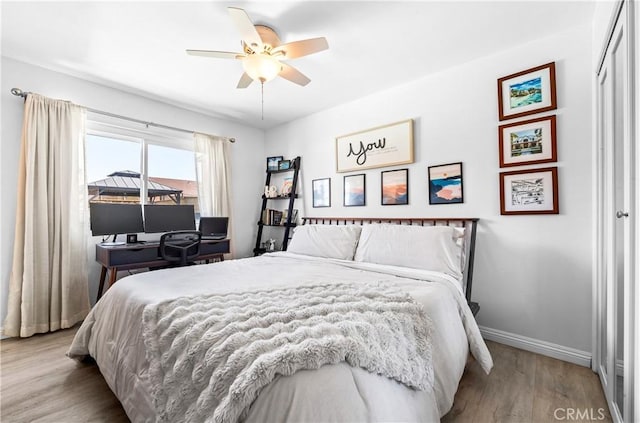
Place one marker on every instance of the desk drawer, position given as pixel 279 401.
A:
pixel 132 256
pixel 220 247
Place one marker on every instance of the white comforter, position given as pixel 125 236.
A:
pixel 112 335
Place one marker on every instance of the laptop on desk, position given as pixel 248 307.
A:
pixel 213 228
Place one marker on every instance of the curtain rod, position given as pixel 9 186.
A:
pixel 19 93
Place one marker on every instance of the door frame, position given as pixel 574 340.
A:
pixel 621 27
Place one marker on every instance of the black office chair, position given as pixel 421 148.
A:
pixel 180 247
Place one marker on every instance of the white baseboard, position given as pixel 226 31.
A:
pixel 572 355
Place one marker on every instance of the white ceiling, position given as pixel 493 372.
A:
pixel 140 46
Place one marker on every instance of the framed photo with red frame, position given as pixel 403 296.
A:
pixel 530 191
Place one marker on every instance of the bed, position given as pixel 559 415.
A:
pixel 360 320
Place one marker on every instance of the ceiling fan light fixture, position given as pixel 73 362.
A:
pixel 261 67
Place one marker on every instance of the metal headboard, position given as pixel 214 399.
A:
pixel 469 243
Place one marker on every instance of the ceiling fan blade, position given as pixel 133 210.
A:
pixel 247 30
pixel 245 81
pixel 293 75
pixel 268 36
pixel 216 54
pixel 303 48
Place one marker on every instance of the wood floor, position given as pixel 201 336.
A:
pixel 527 387
pixel 40 384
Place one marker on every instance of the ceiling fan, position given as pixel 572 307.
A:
pixel 263 54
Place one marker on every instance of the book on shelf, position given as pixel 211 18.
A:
pixel 294 216
pixel 266 215
pixel 278 217
pixel 271 217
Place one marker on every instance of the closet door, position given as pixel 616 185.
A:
pixel 615 336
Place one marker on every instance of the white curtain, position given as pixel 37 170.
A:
pixel 212 173
pixel 48 284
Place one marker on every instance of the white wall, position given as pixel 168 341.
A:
pixel 533 273
pixel 247 153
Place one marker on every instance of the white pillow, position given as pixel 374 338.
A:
pixel 329 241
pixel 419 247
pixel 459 238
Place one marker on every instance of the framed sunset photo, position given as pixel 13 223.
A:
pixel 354 190
pixel 395 187
pixel 527 92
pixel 445 183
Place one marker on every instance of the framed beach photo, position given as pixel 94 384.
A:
pixel 354 190
pixel 395 187
pixel 533 191
pixel 445 184
pixel 527 92
pixel 272 163
pixel 527 142
pixel 321 189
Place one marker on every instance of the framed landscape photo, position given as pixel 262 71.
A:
pixel 527 142
pixel 527 92
pixel 272 163
pixel 532 191
pixel 354 190
pixel 284 164
pixel 445 184
pixel 321 189
pixel 382 146
pixel 395 187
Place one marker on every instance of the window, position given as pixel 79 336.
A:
pixel 169 169
pixel 113 169
pixel 142 169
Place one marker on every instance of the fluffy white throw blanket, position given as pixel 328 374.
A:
pixel 211 355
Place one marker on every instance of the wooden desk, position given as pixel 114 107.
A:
pixel 138 256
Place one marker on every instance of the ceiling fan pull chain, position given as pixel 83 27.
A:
pixel 262 96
